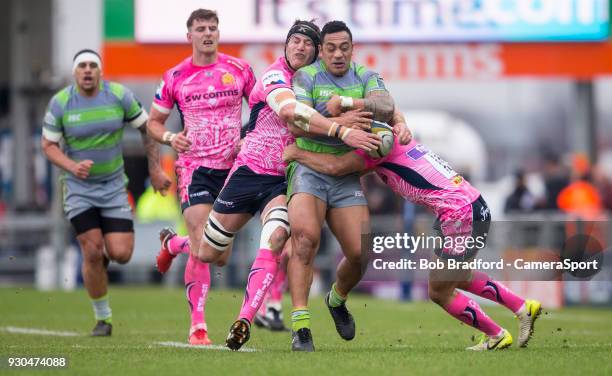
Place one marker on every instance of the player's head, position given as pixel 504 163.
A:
pixel 87 69
pixel 302 44
pixel 336 47
pixel 203 31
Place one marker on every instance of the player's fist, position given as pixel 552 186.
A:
pixel 362 140
pixel 160 181
pixel 356 119
pixel 180 142
pixel 81 169
pixel 403 134
pixel 290 152
pixel 334 106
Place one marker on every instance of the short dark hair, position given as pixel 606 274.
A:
pixel 335 27
pixel 202 14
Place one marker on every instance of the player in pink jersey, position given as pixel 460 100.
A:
pixel 207 89
pixel 257 180
pixel 422 177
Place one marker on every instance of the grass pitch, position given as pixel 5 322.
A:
pixel 392 338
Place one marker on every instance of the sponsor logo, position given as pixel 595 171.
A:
pixel 226 203
pixel 273 77
pixel 74 117
pixel 326 93
pixel 457 180
pixel 50 119
pixel 358 193
pixel 198 194
pixel 159 90
pixel 211 95
pixel 417 152
pixel 227 79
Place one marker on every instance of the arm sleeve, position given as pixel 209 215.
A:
pixel 249 82
pixel 373 82
pixel 303 85
pixel 164 98
pixel 135 115
pixel 53 128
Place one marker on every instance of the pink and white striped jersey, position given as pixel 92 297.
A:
pixel 267 135
pixel 421 176
pixel 209 101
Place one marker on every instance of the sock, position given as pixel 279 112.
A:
pixel 259 281
pixel 278 286
pixel 335 300
pixel 466 310
pixel 482 285
pixel 102 310
pixel 197 283
pixel 178 244
pixel 300 318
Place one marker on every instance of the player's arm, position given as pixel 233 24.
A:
pixel 157 130
pixel 54 153
pixel 159 180
pixel 400 129
pixel 378 102
pixel 325 163
pixel 283 102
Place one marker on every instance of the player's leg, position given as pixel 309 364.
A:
pixel 270 314
pixel 93 267
pixel 274 234
pixel 306 216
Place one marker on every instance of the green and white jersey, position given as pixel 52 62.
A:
pixel 92 127
pixel 314 85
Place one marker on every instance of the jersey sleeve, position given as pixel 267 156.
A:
pixel 164 97
pixel 53 127
pixel 370 162
pixel 135 114
pixel 373 82
pixel 249 82
pixel 274 79
pixel 303 84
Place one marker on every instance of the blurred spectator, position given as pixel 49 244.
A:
pixel 604 186
pixel 381 200
pixel 581 197
pixel 556 178
pixel 520 200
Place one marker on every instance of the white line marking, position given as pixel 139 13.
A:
pixel 41 332
pixel 200 347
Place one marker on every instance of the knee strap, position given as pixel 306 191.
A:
pixel 217 236
pixel 276 217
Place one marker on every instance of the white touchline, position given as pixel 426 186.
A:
pixel 200 347
pixel 41 332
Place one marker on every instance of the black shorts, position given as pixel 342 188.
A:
pixel 480 218
pixel 92 218
pixel 248 192
pixel 203 187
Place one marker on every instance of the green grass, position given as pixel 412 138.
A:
pixel 392 338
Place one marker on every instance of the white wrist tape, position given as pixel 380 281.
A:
pixel 168 137
pixel 302 116
pixel 346 102
pixel 346 132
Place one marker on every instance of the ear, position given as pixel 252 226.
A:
pixel 188 36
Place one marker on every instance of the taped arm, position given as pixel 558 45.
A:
pixel 378 102
pixel 284 103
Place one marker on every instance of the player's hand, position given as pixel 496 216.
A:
pixel 290 152
pixel 334 106
pixel 181 143
pixel 81 169
pixel 356 119
pixel 402 133
pixel 160 181
pixel 362 140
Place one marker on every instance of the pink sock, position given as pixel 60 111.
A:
pixel 468 311
pixel 178 244
pixel 278 286
pixel 260 278
pixel 197 284
pixel 482 285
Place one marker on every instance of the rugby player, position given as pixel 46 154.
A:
pixel 207 88
pixel 422 177
pixel 89 116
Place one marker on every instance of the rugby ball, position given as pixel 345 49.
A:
pixel 386 134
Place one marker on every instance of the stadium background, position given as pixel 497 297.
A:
pixel 491 104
